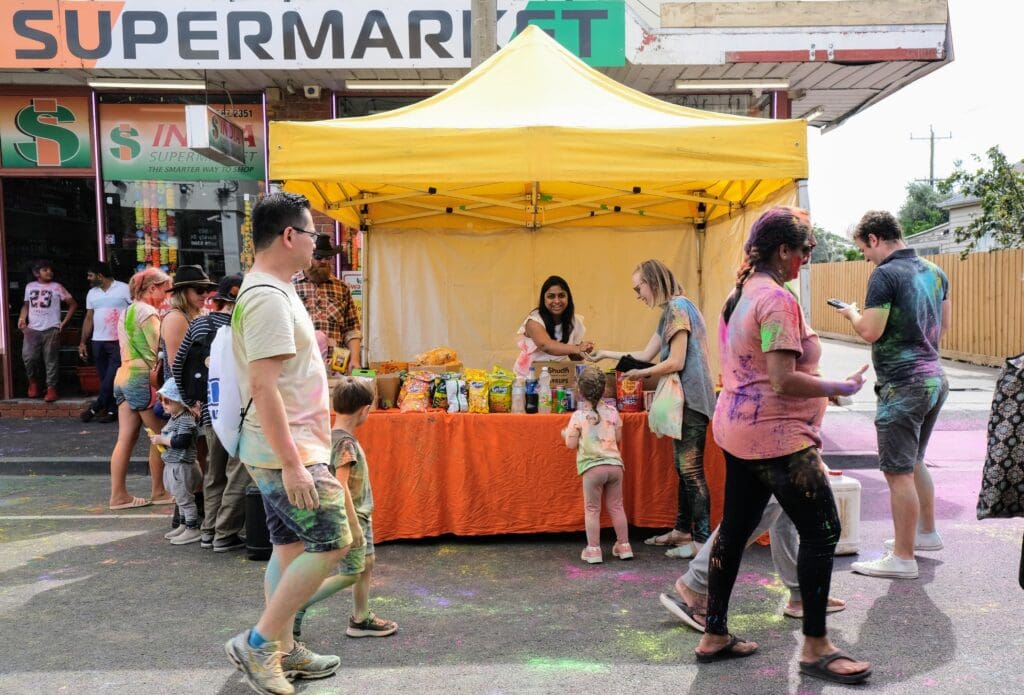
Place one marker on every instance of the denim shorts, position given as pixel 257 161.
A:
pixel 904 421
pixel 133 386
pixel 322 529
pixel 355 561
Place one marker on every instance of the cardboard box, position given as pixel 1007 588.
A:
pixel 388 386
pixel 562 373
pixel 455 367
pixel 389 366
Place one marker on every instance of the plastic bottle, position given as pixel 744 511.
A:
pixel 532 392
pixel 846 490
pixel 544 391
pixel 519 395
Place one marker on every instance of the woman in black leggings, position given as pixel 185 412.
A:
pixel 768 423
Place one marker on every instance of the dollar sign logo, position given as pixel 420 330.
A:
pixel 52 145
pixel 126 147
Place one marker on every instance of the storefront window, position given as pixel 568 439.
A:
pixel 167 205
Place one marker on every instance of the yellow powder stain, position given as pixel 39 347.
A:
pixel 652 646
pixel 446 550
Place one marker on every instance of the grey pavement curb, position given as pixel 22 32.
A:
pixel 96 465
pixel 71 465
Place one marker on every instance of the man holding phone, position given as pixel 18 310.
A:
pixel 906 313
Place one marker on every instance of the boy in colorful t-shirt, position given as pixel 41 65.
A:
pixel 41 325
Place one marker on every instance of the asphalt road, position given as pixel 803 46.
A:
pixel 95 602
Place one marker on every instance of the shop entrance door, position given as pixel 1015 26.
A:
pixel 54 219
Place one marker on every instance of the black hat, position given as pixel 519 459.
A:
pixel 192 276
pixel 324 247
pixel 228 288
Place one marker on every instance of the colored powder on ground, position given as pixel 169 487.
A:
pixel 651 646
pixel 540 663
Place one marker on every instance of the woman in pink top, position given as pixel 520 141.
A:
pixel 767 421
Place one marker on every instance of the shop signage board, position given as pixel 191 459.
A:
pixel 269 34
pixel 148 142
pixel 44 132
pixel 213 136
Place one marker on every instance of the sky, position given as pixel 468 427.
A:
pixel 867 162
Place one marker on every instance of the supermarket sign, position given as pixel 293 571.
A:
pixel 44 132
pixel 149 142
pixel 268 34
pixel 213 136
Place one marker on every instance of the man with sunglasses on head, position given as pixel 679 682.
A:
pixel 329 301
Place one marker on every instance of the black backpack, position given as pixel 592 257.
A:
pixel 195 368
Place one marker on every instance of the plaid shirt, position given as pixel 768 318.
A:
pixel 330 306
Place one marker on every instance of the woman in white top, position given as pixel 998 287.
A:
pixel 552 332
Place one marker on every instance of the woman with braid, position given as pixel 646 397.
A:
pixel 768 423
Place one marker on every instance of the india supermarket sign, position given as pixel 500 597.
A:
pixel 269 34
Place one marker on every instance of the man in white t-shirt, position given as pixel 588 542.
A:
pixel 104 308
pixel 285 445
pixel 41 325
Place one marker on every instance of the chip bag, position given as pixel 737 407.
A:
pixel 478 386
pixel 415 395
pixel 451 388
pixel 499 398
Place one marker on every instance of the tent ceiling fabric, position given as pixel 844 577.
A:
pixel 535 138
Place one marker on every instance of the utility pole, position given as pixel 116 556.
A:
pixel 931 146
pixel 485 30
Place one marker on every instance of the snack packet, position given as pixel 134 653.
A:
pixel 500 397
pixel 629 393
pixel 415 397
pixel 463 397
pixel 451 387
pixel 478 386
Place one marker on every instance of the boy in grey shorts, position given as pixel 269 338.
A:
pixel 177 444
pixel 351 401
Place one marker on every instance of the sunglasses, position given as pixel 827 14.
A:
pixel 312 235
pixel 636 288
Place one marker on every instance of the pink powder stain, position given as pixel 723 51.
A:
pixel 753 578
pixel 930 682
pixel 573 572
pixel 769 672
pixel 629 577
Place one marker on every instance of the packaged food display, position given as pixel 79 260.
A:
pixel 451 387
pixel 478 386
pixel 415 394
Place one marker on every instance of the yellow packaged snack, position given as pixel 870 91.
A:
pixel 500 396
pixel 478 387
pixel 415 395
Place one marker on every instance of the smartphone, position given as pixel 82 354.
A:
pixel 837 303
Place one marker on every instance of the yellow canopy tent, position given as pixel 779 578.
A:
pixel 535 164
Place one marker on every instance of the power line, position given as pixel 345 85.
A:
pixel 931 152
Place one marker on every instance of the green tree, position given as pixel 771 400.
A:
pixel 854 254
pixel 1000 188
pixel 830 248
pixel 921 209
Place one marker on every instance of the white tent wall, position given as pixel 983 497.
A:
pixel 471 290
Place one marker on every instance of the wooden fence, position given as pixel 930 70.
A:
pixel 986 288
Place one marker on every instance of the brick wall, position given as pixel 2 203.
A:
pixel 70 407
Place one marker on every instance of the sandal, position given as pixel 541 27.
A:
pixel 134 504
pixel 727 652
pixel 799 612
pixel 165 500
pixel 662 539
pixel 681 552
pixel 682 610
pixel 819 669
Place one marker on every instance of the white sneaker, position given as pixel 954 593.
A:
pixel 887 566
pixel 174 532
pixel 922 541
pixel 189 535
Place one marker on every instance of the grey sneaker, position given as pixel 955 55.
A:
pixel 304 663
pixel 922 541
pixel 260 667
pixel 176 531
pixel 189 535
pixel 887 566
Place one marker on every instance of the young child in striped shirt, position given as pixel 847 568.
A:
pixel 177 445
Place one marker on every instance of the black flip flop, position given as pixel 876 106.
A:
pixel 819 669
pixel 681 610
pixel 725 652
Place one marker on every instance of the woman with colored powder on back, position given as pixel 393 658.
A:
pixel 767 421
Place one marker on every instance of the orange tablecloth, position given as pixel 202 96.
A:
pixel 474 475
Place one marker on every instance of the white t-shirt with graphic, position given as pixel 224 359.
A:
pixel 44 300
pixel 107 309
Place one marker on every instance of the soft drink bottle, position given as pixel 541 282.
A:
pixel 532 392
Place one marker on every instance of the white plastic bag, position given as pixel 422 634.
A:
pixel 665 418
pixel 224 399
